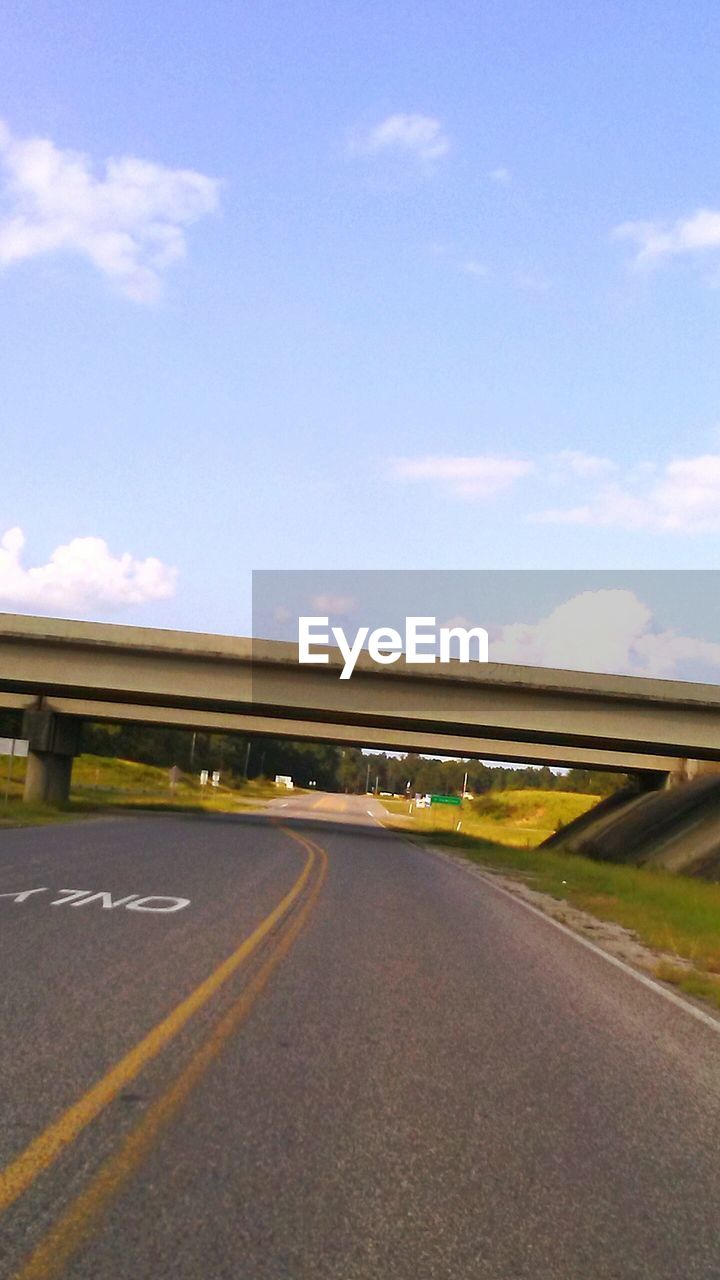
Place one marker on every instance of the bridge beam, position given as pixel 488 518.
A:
pixel 372 737
pixel 655 767
pixel 53 743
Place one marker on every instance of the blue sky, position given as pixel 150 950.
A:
pixel 362 286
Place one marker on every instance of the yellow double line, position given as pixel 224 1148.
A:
pixel 75 1224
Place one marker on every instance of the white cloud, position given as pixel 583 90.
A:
pixel 416 135
pixel 593 630
pixel 527 280
pixel 666 654
pixel 339 606
pixel 583 464
pixel 679 497
pixel 472 267
pixel 687 496
pixel 683 496
pixel 501 176
pixel 82 574
pixel 467 477
pixel 658 240
pixel 563 515
pixel 129 223
pixel 611 631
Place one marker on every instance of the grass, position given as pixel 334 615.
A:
pixel 523 817
pixel 100 783
pixel 99 780
pixel 34 815
pixel 674 914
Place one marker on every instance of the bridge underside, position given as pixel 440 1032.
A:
pixel 378 739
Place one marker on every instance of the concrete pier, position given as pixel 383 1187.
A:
pixel 53 743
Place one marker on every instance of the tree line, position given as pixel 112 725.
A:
pixel 411 773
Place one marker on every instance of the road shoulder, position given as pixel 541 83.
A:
pixel 667 971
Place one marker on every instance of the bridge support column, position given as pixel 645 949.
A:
pixel 53 743
pixel 688 770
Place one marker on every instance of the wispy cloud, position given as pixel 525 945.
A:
pixel 680 496
pixel 583 464
pixel 472 267
pixel 481 476
pixel 501 176
pixel 526 280
pixel 339 606
pixel 129 222
pixel 83 574
pixel 655 241
pixel 422 137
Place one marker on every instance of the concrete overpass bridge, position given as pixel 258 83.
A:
pixel 60 673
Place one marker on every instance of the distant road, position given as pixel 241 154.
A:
pixel 296 1047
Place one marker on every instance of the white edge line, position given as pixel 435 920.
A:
pixel 706 1018
pixel 700 1014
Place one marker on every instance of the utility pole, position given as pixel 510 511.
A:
pixel 464 785
pixel 247 758
pixel 367 779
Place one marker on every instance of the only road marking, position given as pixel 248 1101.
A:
pixel 81 897
pixel 17 1176
pixel 81 1218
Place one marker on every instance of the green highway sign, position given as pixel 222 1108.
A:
pixel 444 799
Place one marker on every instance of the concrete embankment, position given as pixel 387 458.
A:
pixel 677 829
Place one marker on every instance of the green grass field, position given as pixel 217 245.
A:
pixel 101 782
pixel 523 817
pixel 677 915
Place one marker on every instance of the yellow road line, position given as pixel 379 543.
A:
pixel 17 1176
pixel 71 1230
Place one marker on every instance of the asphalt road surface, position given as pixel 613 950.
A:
pixel 296 1046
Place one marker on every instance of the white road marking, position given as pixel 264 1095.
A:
pixel 72 894
pixel 141 904
pixel 106 900
pixel 25 893
pixel 82 897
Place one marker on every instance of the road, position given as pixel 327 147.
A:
pixel 295 1046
